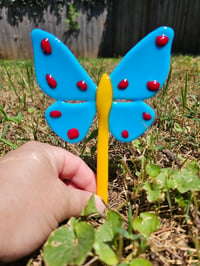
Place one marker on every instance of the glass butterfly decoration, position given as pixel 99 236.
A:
pixel 139 76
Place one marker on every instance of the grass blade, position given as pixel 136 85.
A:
pixel 12 145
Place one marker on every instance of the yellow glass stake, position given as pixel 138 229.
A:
pixel 103 103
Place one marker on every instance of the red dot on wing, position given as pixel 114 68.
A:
pixel 51 81
pixel 153 85
pixel 146 116
pixel 73 133
pixel 46 46
pixel 123 84
pixel 55 114
pixel 125 134
pixel 82 85
pixel 162 40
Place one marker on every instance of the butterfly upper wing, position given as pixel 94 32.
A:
pixel 58 71
pixel 144 69
pixel 60 76
pixel 129 120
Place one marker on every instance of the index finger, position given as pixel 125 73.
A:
pixel 73 169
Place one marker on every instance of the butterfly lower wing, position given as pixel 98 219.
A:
pixel 58 73
pixel 144 69
pixel 129 120
pixel 70 121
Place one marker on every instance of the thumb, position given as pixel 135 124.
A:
pixel 71 202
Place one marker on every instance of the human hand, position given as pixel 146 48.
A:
pixel 34 200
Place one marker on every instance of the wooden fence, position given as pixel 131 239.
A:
pixel 138 17
pixel 107 29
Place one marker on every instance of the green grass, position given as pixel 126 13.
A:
pixel 149 175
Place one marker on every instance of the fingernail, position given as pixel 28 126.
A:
pixel 99 204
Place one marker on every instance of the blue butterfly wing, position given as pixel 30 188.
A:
pixel 70 121
pixel 57 70
pixel 140 75
pixel 144 69
pixel 61 77
pixel 129 120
